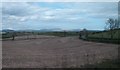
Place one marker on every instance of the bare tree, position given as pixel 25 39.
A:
pixel 117 24
pixel 111 25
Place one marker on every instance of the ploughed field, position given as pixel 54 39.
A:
pixel 54 52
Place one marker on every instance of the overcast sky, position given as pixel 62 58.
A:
pixel 57 15
pixel 59 0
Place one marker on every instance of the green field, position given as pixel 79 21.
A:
pixel 100 36
pixel 105 36
pixel 60 34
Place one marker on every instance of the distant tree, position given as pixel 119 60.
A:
pixel 117 24
pixel 13 36
pixel 64 33
pixel 112 24
pixel 80 34
pixel 83 34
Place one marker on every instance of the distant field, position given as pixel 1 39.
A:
pixel 60 34
pixel 105 36
pixel 100 36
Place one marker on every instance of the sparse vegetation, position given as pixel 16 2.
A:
pixel 105 37
pixel 60 34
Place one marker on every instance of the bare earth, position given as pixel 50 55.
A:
pixel 54 52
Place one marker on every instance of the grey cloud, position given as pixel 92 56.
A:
pixel 20 9
pixel 16 13
pixel 17 9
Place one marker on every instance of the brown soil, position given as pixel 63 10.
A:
pixel 54 52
